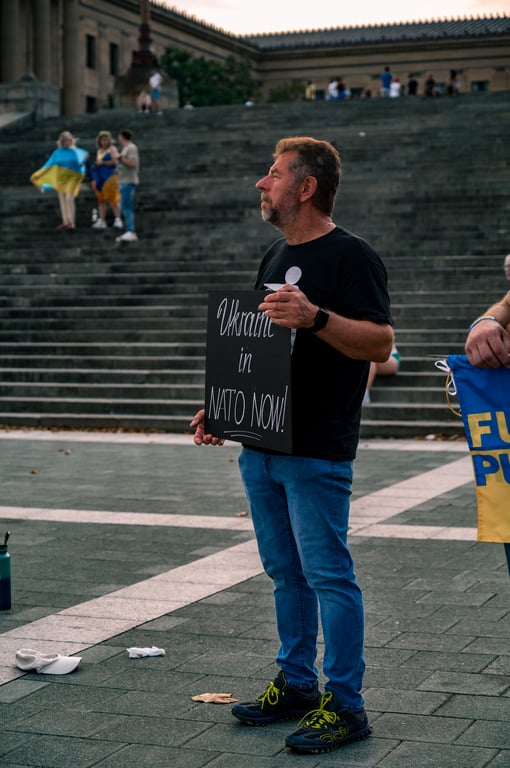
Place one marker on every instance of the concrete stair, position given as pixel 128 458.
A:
pixel 93 334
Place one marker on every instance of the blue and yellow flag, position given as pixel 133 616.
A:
pixel 62 171
pixel 484 397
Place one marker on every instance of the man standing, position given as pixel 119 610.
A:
pixel 155 81
pixel 128 180
pixel 386 79
pixel 339 313
pixel 506 266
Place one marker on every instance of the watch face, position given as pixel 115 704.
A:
pixel 321 318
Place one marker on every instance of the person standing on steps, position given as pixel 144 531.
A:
pixel 386 80
pixel 63 171
pixel 129 163
pixel 105 180
pixel 339 314
pixel 155 82
pixel 506 266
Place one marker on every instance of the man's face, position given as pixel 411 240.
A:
pixel 506 266
pixel 279 192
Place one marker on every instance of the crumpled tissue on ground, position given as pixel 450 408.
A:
pixel 139 653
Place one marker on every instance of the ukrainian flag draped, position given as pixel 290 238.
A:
pixel 62 171
pixel 484 397
pixel 105 179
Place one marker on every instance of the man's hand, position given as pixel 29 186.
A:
pixel 198 424
pixel 488 345
pixel 289 307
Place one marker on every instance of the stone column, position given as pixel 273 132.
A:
pixel 72 56
pixel 10 62
pixel 42 40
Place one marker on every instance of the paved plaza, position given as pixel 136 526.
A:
pixel 120 540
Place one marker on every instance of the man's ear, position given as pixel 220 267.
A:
pixel 308 187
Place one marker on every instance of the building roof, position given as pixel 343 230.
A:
pixel 416 31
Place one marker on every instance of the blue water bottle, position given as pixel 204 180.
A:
pixel 5 576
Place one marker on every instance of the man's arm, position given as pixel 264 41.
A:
pixel 488 341
pixel 358 339
pixel 129 160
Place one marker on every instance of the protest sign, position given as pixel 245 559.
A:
pixel 247 391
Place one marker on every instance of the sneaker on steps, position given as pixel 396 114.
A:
pixel 99 224
pixel 279 701
pixel 118 224
pixel 127 237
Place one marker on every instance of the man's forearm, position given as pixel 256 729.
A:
pixel 501 311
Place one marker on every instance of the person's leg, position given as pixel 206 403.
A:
pixel 318 495
pixel 388 368
pixel 507 553
pixel 300 511
pixel 67 209
pixel 71 208
pixel 126 202
pixel 295 601
pixel 371 375
pixel 63 209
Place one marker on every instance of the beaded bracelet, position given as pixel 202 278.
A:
pixel 485 317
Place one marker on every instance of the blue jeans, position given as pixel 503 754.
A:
pixel 127 192
pixel 300 510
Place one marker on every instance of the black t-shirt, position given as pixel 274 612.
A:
pixel 342 273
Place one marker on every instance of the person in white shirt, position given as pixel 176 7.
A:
pixel 155 81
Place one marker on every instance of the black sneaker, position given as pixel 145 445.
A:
pixel 278 702
pixel 327 728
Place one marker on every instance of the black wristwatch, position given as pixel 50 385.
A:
pixel 321 318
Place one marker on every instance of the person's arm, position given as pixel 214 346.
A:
pixel 114 152
pixel 130 161
pixel 488 341
pixel 358 339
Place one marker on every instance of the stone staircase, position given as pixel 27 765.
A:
pixel 98 335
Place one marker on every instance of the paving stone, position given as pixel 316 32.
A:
pixel 461 682
pixel 500 761
pixel 455 662
pixel 396 700
pixel 419 755
pixel 55 751
pixel 242 740
pixel 136 755
pixel 496 708
pixel 484 734
pixel 428 642
pixel 404 679
pixel 406 727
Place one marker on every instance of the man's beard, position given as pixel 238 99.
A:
pixel 280 217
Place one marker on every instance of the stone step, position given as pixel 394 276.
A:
pixel 172 376
pixel 102 406
pixel 89 327
pixel 415 428
pixel 104 362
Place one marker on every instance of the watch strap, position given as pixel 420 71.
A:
pixel 321 318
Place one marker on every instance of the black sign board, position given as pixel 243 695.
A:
pixel 247 391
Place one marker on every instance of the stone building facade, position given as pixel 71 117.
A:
pixel 66 56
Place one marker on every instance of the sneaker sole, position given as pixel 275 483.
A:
pixel 316 750
pixel 271 718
